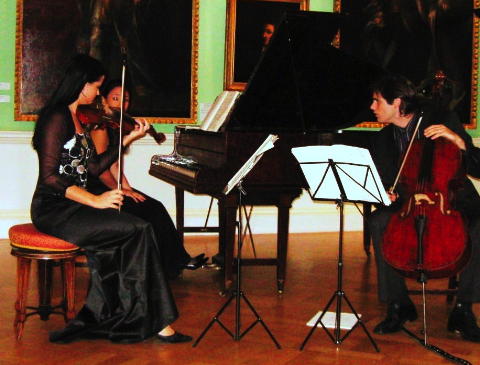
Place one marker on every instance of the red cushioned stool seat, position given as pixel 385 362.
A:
pixel 29 244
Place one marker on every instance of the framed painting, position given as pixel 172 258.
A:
pixel 159 39
pixel 432 43
pixel 250 25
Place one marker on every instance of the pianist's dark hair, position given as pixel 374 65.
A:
pixel 396 86
pixel 112 84
pixel 81 70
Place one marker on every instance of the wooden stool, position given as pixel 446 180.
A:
pixel 29 244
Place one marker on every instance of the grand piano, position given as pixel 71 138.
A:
pixel 304 90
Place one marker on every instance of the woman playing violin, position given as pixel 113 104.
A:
pixel 174 256
pixel 129 298
pixel 396 103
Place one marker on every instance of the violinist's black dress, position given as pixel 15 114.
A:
pixel 129 298
pixel 173 253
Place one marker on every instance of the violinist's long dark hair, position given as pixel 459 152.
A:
pixel 392 86
pixel 81 70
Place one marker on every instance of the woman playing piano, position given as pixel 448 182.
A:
pixel 174 256
pixel 129 298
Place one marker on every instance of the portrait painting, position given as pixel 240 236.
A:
pixel 250 26
pixel 431 43
pixel 153 43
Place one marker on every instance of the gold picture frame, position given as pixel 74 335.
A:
pixel 468 74
pixel 243 48
pixel 162 56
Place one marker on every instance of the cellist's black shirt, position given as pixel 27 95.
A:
pixel 403 135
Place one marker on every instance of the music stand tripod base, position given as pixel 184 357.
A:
pixel 339 294
pixel 238 294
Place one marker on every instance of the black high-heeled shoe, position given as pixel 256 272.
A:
pixel 196 262
pixel 177 337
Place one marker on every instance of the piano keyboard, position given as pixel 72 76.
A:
pixel 176 165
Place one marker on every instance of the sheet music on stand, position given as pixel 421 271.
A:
pixel 355 167
pixel 251 162
pixel 219 111
pixel 344 174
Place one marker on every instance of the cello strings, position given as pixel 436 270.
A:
pixel 406 155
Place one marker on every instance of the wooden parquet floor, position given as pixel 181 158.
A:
pixel 311 280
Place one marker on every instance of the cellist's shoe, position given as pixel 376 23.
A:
pixel 463 320
pixel 397 315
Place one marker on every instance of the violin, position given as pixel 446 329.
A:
pixel 95 115
pixel 427 236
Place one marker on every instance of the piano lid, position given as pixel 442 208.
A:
pixel 302 83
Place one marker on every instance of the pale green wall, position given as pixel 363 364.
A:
pixel 7 65
pixel 210 64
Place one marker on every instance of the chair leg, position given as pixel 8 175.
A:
pixel 45 268
pixel 452 285
pixel 23 275
pixel 367 210
pixel 68 273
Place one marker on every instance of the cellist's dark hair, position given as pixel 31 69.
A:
pixel 81 70
pixel 393 86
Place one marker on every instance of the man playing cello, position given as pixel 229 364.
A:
pixel 395 102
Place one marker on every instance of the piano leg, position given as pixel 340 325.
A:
pixel 221 232
pixel 282 239
pixel 227 211
pixel 228 222
pixel 180 203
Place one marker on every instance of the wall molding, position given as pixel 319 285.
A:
pixel 25 137
pixel 15 137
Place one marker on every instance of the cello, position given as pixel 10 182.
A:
pixel 427 236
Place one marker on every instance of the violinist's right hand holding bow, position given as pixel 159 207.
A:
pixel 109 199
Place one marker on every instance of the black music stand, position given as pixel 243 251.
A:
pixel 237 293
pixel 354 181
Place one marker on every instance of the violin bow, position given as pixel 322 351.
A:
pixel 122 97
pixel 392 189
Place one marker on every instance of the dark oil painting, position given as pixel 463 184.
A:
pixel 251 24
pixel 157 37
pixel 429 42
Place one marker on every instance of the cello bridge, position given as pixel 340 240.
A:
pixel 422 198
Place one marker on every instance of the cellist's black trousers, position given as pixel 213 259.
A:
pixel 391 285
